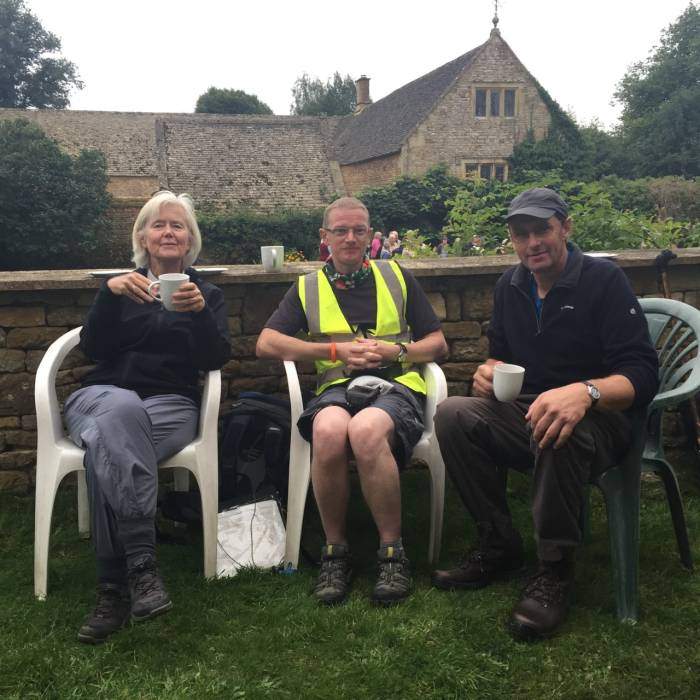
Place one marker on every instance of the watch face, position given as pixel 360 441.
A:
pixel 593 391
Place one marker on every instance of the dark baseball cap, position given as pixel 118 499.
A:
pixel 539 202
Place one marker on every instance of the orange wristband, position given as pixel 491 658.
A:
pixel 332 352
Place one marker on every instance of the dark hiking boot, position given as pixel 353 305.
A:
pixel 479 568
pixel 333 583
pixel 496 557
pixel 148 595
pixel 394 580
pixel 543 604
pixel 110 614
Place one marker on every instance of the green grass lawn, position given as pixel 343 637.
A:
pixel 260 635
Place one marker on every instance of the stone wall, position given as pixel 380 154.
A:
pixel 37 307
pixel 370 173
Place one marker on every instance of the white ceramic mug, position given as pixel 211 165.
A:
pixel 272 257
pixel 507 381
pixel 167 285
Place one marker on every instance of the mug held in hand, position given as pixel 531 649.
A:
pixel 167 285
pixel 507 381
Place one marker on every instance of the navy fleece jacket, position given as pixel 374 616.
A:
pixel 590 326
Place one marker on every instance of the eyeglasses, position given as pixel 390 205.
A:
pixel 342 231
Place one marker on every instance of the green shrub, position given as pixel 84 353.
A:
pixel 236 237
pixel 413 203
pixel 51 204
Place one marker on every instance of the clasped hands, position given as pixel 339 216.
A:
pixel 553 415
pixel 366 353
pixel 135 286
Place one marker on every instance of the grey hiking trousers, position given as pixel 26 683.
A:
pixel 480 439
pixel 124 438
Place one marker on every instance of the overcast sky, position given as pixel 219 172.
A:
pixel 148 56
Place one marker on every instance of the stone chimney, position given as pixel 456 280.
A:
pixel 362 88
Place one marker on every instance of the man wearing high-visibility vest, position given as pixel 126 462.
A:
pixel 367 324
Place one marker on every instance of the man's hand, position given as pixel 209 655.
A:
pixel 363 353
pixel 482 382
pixel 188 298
pixel 554 414
pixel 133 285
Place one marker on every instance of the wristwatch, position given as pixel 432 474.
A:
pixel 403 351
pixel 593 392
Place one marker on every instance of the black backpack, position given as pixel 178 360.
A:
pixel 253 457
pixel 254 448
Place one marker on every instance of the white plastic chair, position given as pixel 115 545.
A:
pixel 427 450
pixel 57 456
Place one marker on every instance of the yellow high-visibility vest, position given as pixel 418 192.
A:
pixel 328 324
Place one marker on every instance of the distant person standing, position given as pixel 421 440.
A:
pixel 324 251
pixel 395 245
pixel 443 248
pixel 376 247
pixel 386 250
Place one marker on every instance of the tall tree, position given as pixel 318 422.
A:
pixel 227 101
pixel 661 103
pixel 32 74
pixel 51 205
pixel 314 98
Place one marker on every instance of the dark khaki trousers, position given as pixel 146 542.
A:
pixel 480 439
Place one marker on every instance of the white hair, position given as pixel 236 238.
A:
pixel 150 212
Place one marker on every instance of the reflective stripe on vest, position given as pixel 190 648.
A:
pixel 327 323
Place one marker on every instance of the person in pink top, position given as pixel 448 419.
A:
pixel 376 247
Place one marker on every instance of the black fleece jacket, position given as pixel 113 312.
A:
pixel 590 326
pixel 150 350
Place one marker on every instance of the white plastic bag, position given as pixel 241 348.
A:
pixel 249 535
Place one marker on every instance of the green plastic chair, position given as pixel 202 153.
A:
pixel 674 328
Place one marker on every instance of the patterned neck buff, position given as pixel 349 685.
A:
pixel 352 279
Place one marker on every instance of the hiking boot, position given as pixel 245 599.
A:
pixel 110 614
pixel 543 604
pixel 333 583
pixel 148 595
pixel 394 580
pixel 479 568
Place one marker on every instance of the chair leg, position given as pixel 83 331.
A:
pixel 675 504
pixel 83 507
pixel 299 476
pixel 437 502
pixel 623 525
pixel 210 523
pixel 43 509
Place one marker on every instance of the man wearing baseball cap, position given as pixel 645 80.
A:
pixel 574 324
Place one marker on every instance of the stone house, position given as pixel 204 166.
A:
pixel 468 114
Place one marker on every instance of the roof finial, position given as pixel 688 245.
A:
pixel 495 18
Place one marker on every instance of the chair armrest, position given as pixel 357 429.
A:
pixel 48 415
pixel 673 397
pixel 295 399
pixel 436 391
pixel 209 409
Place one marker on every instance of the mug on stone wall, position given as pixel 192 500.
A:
pixel 272 257
pixel 167 285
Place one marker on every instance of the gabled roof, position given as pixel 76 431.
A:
pixel 383 126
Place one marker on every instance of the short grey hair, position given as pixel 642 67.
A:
pixel 150 212
pixel 344 203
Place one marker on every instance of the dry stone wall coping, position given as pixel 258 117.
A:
pixel 249 274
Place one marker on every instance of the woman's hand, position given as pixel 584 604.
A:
pixel 188 298
pixel 133 285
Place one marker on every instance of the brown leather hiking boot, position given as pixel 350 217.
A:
pixel 543 605
pixel 479 568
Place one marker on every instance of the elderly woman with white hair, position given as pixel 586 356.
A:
pixel 140 404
